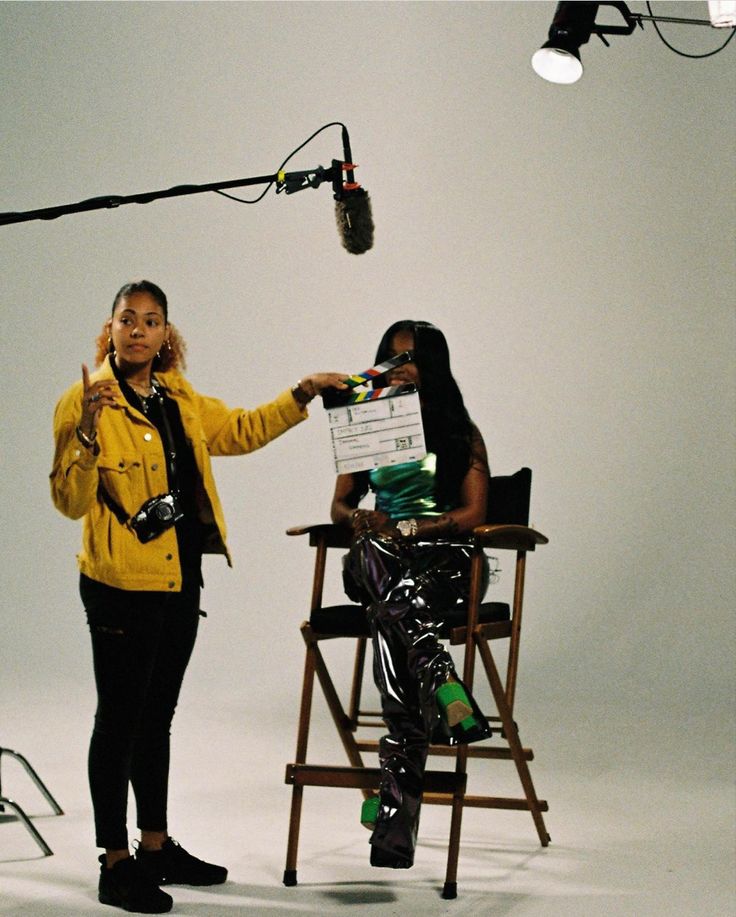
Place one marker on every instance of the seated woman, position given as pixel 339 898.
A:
pixel 406 568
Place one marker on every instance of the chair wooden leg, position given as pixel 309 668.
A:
pixel 292 845
pixel 449 890
pixel 305 707
pixel 512 737
pixel 356 689
pixel 305 712
pixel 314 664
pixel 340 718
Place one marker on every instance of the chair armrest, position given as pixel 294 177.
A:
pixel 513 537
pixel 304 529
pixel 335 536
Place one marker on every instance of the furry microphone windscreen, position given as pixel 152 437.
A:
pixel 354 220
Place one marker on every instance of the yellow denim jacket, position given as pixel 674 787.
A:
pixel 131 466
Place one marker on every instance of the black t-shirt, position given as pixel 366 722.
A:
pixel 186 478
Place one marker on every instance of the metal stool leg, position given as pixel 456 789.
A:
pixel 34 777
pixel 5 801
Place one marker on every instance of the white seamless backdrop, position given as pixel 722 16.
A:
pixel 574 243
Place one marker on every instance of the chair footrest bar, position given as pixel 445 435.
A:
pixel 483 802
pixel 367 778
pixel 450 751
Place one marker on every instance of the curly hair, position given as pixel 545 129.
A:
pixel 171 356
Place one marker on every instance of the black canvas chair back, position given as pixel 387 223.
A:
pixel 509 497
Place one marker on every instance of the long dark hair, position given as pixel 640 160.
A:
pixel 448 430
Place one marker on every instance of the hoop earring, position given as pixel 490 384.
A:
pixel 110 348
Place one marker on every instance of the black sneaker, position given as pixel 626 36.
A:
pixel 172 865
pixel 127 886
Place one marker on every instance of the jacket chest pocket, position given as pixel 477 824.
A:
pixel 121 476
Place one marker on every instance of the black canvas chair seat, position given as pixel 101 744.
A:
pixel 350 620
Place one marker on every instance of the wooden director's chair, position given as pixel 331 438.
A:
pixel 474 626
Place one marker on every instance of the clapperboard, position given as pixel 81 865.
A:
pixel 375 426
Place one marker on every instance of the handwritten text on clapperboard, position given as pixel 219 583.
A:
pixel 383 427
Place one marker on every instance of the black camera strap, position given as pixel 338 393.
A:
pixel 115 508
pixel 169 444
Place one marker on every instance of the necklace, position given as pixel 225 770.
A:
pixel 144 394
pixel 143 391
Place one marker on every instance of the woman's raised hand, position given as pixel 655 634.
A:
pixel 95 397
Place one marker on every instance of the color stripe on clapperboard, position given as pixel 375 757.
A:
pixel 374 393
pixel 361 378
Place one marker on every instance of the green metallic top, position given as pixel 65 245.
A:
pixel 406 490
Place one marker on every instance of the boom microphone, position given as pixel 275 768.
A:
pixel 352 206
pixel 354 220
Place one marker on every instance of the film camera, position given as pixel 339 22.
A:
pixel 156 516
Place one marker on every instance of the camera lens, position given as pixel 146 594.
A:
pixel 164 512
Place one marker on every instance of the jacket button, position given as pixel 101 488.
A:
pixel 121 464
pixel 171 585
pixel 169 557
pixel 77 453
pixel 154 467
pixel 148 437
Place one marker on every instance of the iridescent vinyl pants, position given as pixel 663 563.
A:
pixel 405 589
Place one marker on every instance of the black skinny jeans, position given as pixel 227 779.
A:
pixel 141 645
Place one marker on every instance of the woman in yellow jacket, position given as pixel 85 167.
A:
pixel 133 446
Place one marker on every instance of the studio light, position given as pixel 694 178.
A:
pixel 722 13
pixel 558 60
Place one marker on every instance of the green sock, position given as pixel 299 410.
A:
pixel 449 692
pixel 369 811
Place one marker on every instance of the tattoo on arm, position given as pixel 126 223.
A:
pixel 448 525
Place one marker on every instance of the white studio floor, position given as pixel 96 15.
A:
pixel 641 818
